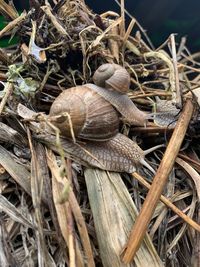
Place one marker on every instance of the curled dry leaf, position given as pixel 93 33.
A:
pixel 192 173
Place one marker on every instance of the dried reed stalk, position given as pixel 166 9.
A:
pixel 160 179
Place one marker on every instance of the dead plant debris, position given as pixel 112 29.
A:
pixel 60 210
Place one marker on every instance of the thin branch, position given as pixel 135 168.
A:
pixel 8 89
pixel 177 84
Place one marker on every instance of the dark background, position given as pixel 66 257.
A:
pixel 158 17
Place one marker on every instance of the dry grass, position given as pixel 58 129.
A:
pixel 56 210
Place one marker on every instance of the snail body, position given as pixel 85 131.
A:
pixel 119 154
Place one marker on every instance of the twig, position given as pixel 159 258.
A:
pixel 12 24
pixel 122 25
pixel 130 27
pixel 149 95
pixel 139 26
pixel 62 209
pixel 54 21
pixel 192 173
pixel 177 84
pixel 8 89
pixel 80 221
pixel 75 208
pixel 81 228
pixel 181 46
pixel 193 162
pixel 102 35
pixel 36 193
pixel 130 46
pixel 162 55
pixel 34 50
pixel 5 59
pixel 159 181
pixel 169 204
pixel 3 76
pixel 113 44
pixel 7 10
pixel 152 129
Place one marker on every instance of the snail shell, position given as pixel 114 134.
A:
pixel 92 117
pixel 112 76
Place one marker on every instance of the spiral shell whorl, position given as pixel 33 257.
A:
pixel 92 117
pixel 103 73
pixel 112 76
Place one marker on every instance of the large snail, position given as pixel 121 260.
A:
pixel 93 113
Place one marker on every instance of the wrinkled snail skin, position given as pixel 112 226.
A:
pixel 119 154
pixel 92 117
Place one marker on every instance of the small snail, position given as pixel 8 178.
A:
pixel 93 113
pixel 112 76
pixel 112 82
